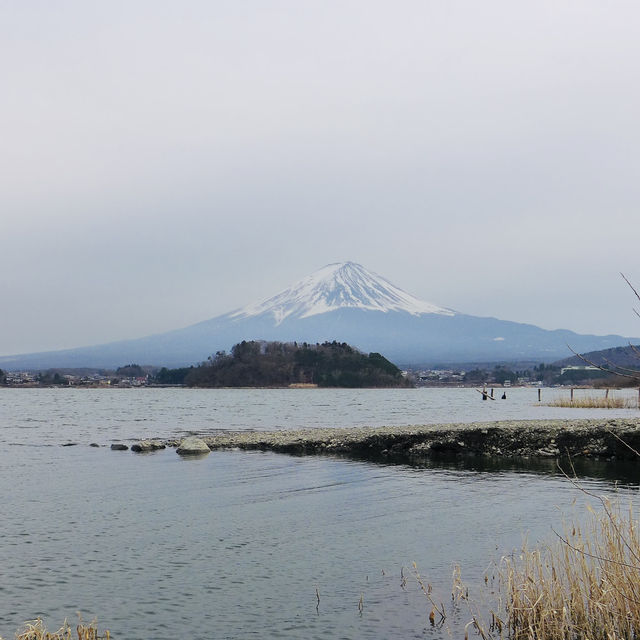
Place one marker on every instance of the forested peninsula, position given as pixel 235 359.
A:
pixel 280 364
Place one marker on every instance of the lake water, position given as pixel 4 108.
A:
pixel 234 545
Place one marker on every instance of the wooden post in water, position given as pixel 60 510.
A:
pixel 485 396
pixel 606 394
pixel 571 394
pixel 492 393
pixel 540 392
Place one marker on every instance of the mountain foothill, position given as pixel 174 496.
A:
pixel 346 303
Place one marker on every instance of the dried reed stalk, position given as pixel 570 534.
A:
pixel 593 402
pixel 36 630
pixel 587 585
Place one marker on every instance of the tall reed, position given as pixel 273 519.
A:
pixel 593 402
pixel 587 585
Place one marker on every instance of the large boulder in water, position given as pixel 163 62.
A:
pixel 193 446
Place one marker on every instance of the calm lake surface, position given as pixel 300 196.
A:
pixel 234 545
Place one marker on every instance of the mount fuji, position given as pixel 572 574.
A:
pixel 343 302
pixel 339 286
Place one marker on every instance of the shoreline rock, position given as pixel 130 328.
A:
pixel 590 438
pixel 145 446
pixel 193 446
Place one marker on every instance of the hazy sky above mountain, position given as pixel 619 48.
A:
pixel 166 162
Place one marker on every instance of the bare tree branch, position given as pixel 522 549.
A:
pixel 626 444
pixel 606 505
pixel 617 367
pixel 630 286
pixel 605 369
pixel 613 368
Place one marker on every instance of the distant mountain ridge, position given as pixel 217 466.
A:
pixel 625 357
pixel 343 302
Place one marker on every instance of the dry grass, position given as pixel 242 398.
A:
pixel 594 402
pixel 36 630
pixel 585 586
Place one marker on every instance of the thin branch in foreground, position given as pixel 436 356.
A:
pixel 614 368
pixel 617 368
pixel 626 444
pixel 630 285
pixel 606 505
pixel 598 366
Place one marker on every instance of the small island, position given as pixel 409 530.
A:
pixel 289 364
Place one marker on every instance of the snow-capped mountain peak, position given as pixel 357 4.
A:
pixel 337 286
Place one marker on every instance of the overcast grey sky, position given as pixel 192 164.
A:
pixel 163 162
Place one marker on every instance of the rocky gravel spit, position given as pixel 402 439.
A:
pixel 615 438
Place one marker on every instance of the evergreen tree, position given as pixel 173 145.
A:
pixel 277 364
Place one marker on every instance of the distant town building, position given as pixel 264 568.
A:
pixel 582 368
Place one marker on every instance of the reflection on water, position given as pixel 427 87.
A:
pixel 235 544
pixel 617 472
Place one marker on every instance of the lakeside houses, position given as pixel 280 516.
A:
pixel 20 378
pixel 139 381
pixel 439 375
pixel 497 376
pixel 36 379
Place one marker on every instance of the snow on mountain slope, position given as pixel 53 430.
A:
pixel 338 286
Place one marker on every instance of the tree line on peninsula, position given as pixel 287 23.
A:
pixel 276 364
